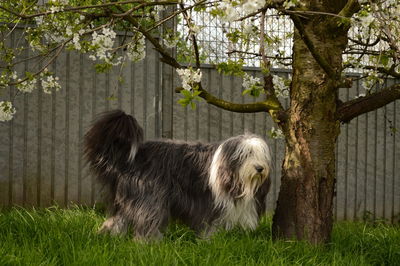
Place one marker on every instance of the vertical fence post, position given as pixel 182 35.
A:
pixel 167 81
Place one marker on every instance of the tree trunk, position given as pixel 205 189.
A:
pixel 305 202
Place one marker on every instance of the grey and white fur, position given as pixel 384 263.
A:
pixel 150 183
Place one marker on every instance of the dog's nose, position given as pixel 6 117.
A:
pixel 259 168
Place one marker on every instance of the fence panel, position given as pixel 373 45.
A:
pixel 41 148
pixel 41 153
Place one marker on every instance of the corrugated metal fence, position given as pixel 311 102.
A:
pixel 40 149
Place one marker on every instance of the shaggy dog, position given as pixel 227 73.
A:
pixel 203 185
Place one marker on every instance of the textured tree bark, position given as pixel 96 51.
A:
pixel 305 202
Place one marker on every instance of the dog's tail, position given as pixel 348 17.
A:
pixel 111 144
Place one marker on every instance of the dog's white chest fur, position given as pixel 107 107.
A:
pixel 243 213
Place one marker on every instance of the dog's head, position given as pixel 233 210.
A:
pixel 240 166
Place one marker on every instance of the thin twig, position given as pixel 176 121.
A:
pixel 68 9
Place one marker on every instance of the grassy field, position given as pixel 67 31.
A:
pixel 55 236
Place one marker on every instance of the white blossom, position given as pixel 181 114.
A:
pixel 189 76
pixel 276 133
pixel 14 75
pixel 27 85
pixel 371 80
pixel 68 30
pixel 250 82
pixel 6 111
pixel 75 41
pixel 36 46
pixel 62 2
pixel 253 5
pixel 50 83
pixel 289 3
pixel 55 9
pixel 281 89
pixel 6 77
pixel 194 29
pixel 171 42
pixel 231 13
pixel 103 44
pixel 359 96
pixel 136 50
pixel 38 20
pixel 247 27
pixel 366 21
pixel 156 12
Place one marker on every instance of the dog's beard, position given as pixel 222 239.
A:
pixel 250 179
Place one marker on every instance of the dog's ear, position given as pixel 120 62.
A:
pixel 229 179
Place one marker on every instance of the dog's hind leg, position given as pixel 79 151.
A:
pixel 149 223
pixel 115 225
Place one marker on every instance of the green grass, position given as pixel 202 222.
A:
pixel 56 236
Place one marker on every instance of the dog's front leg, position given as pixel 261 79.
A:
pixel 154 235
pixel 114 225
pixel 208 232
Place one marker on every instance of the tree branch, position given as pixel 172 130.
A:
pixel 166 57
pixel 192 35
pixel 351 7
pixel 264 106
pixel 174 14
pixel 351 109
pixel 77 8
pixel 383 70
pixel 277 4
pixel 310 45
pixel 388 71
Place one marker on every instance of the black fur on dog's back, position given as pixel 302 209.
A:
pixel 112 141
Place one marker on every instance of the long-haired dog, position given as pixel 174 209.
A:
pixel 205 186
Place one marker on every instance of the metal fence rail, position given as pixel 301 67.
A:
pixel 40 149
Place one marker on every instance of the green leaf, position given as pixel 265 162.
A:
pixel 186 93
pixel 234 36
pixel 101 68
pixel 246 91
pixel 384 59
pixel 29 75
pixel 217 12
pixel 183 101
pixel 231 67
pixel 200 8
pixel 342 21
pixel 255 92
pixel 196 93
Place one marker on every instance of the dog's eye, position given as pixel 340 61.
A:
pixel 247 155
